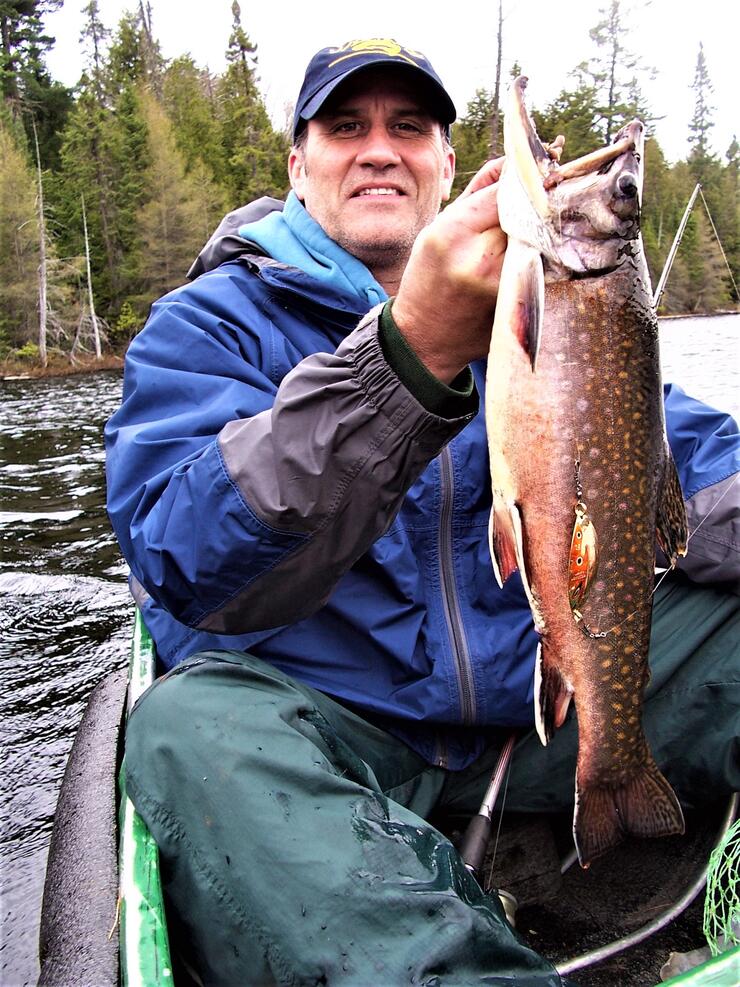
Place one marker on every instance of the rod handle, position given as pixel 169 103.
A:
pixel 475 842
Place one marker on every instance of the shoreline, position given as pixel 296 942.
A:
pixel 58 367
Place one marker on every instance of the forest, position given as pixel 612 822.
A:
pixel 109 190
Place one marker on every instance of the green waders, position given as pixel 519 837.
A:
pixel 292 833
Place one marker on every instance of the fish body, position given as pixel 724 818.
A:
pixel 581 471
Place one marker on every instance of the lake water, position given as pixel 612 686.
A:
pixel 65 611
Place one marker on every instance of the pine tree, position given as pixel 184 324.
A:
pixel 27 89
pixel 471 139
pixel 255 154
pixel 191 107
pixel 658 209
pixel 572 114
pixel 135 56
pixel 728 220
pixel 23 45
pixel 103 159
pixel 700 156
pixel 708 277
pixel 614 71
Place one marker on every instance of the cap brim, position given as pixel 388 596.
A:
pixel 447 113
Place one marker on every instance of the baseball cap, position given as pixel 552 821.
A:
pixel 331 66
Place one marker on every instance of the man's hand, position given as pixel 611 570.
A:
pixel 447 297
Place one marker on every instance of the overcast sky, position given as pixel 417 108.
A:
pixel 546 37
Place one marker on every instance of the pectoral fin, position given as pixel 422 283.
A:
pixel 671 523
pixel 502 540
pixel 528 303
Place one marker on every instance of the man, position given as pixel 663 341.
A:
pixel 298 474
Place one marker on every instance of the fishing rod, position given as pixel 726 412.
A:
pixel 677 240
pixel 477 835
pixel 674 246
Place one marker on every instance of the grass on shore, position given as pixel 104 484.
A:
pixel 58 365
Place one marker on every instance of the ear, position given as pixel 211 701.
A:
pixel 448 174
pixel 297 172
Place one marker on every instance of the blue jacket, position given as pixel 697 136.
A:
pixel 275 488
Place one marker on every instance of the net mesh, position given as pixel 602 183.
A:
pixel 722 901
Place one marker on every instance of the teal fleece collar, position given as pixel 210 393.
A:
pixel 293 237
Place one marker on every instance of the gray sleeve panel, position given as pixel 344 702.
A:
pixel 332 460
pixel 714 540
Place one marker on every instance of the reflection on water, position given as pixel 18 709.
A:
pixel 65 609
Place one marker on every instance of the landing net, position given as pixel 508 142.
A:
pixel 722 901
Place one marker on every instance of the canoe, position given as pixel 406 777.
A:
pixel 103 917
pixel 103 920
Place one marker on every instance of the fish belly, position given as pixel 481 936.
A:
pixel 585 425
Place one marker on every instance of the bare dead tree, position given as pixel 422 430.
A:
pixel 42 279
pixel 90 299
pixel 496 114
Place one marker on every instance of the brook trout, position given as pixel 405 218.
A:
pixel 582 475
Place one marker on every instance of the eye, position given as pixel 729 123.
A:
pixel 346 128
pixel 409 127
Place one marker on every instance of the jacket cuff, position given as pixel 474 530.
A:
pixel 446 401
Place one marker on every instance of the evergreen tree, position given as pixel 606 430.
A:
pixel 94 40
pixel 103 159
pixel 701 122
pixel 26 86
pixel 707 273
pixel 700 155
pixel 658 219
pixel 614 71
pixel 471 139
pixel 255 154
pixel 190 104
pixel 573 115
pixel 728 219
pixel 135 56
pixel 23 45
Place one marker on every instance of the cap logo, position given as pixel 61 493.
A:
pixel 376 46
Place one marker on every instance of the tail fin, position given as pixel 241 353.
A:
pixel 645 806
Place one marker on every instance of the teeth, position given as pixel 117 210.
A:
pixel 379 191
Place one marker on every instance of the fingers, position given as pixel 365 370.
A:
pixel 555 148
pixel 488 175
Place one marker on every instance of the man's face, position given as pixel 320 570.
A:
pixel 374 167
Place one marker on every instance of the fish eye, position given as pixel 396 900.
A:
pixel 579 560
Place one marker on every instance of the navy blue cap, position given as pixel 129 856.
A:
pixel 331 66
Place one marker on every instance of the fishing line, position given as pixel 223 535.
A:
pixel 498 828
pixel 713 508
pixel 600 634
pixel 719 242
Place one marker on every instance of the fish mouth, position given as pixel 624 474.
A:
pixel 577 213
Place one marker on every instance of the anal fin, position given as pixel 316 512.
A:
pixel 672 527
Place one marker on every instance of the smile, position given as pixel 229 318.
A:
pixel 378 191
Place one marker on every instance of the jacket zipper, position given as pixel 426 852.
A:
pixel 453 614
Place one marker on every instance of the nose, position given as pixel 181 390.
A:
pixel 378 149
pixel 627 185
pixel 625 200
